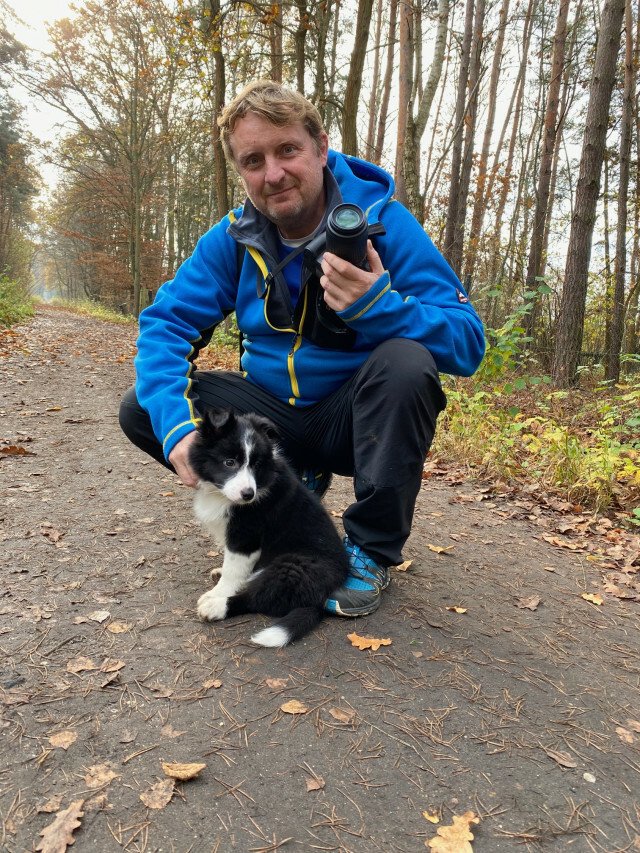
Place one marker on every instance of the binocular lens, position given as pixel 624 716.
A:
pixel 347 218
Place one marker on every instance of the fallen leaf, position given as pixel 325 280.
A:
pixel 64 739
pixel 16 450
pixel 212 682
pixel 440 549
pixel 59 835
pixel 454 609
pixel 158 795
pixel 111 665
pixel 276 683
pixel 594 599
pixel 403 566
pixel 432 818
pixel 118 627
pixel 51 805
pixel 99 775
pixel 342 716
pixel 294 707
pixel 99 616
pixel 183 772
pixel 562 543
pixel 315 784
pixel 549 568
pixel 167 494
pixel 169 731
pixel 634 725
pixel 455 837
pixel 367 642
pixel 625 735
pixel 80 664
pixel 562 758
pixel 530 603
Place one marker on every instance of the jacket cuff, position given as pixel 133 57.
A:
pixel 177 434
pixel 367 300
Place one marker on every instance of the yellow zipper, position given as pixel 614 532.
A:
pixel 297 341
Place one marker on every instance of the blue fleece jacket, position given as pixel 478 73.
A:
pixel 417 297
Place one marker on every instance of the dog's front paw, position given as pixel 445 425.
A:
pixel 212 605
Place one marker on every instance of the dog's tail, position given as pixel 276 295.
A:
pixel 291 627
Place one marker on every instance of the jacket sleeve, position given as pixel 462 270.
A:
pixel 175 327
pixel 418 297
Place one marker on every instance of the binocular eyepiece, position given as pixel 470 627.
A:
pixel 347 233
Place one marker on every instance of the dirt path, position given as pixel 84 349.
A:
pixel 526 714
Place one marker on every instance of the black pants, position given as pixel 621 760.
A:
pixel 376 428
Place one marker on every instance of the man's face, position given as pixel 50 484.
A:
pixel 281 169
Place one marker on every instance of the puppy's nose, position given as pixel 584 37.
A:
pixel 247 494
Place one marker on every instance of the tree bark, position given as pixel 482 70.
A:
pixel 570 325
pixel 354 79
pixel 550 139
pixel 386 85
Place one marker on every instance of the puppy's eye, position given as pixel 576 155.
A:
pixel 230 463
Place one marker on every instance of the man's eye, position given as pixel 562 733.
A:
pixel 230 463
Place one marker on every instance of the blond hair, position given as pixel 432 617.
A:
pixel 275 103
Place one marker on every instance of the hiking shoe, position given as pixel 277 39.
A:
pixel 317 482
pixel 360 593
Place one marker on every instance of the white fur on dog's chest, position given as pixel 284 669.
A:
pixel 211 508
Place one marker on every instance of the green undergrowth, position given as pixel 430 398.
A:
pixel 509 424
pixel 16 304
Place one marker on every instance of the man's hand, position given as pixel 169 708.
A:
pixel 179 458
pixel 344 284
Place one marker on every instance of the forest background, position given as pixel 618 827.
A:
pixel 512 129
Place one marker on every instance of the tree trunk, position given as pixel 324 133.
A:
pixel 612 357
pixel 386 86
pixel 275 40
pixel 456 153
pixel 218 96
pixel 479 205
pixel 354 79
pixel 405 90
pixel 550 140
pixel 375 86
pixel 299 39
pixel 574 294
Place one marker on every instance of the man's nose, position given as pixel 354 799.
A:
pixel 274 172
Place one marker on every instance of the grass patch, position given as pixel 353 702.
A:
pixel 92 309
pixel 16 304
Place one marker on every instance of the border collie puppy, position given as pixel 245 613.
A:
pixel 282 553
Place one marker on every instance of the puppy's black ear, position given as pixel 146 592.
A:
pixel 216 421
pixel 265 426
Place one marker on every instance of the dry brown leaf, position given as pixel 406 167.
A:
pixel 169 731
pixel 294 707
pixel 59 835
pixel 183 772
pixel 80 664
pixel 594 599
pixel 315 784
pixel 440 549
pixel 99 775
pixel 634 725
pixel 212 682
pixel 52 805
pixel 625 735
pixel 530 603
pixel 111 665
pixel 276 683
pixel 367 642
pixel 562 543
pixel 158 795
pixel 64 739
pixel 16 450
pixel 118 627
pixel 432 818
pixel 562 758
pixel 343 716
pixel 99 616
pixel 454 609
pixel 455 837
pixel 403 566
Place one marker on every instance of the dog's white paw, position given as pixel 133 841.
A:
pixel 216 574
pixel 212 605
